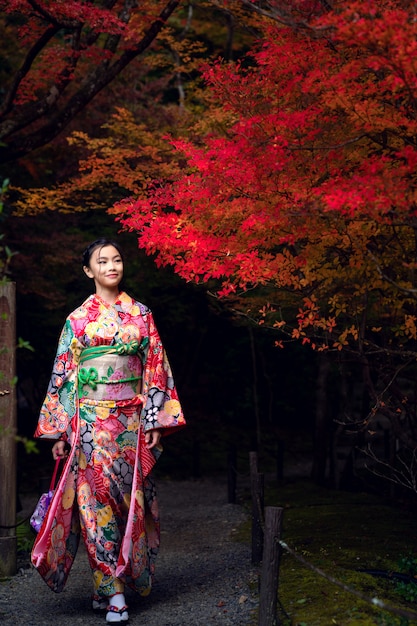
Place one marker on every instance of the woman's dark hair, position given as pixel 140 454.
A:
pixel 99 243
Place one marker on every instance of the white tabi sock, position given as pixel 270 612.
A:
pixel 118 600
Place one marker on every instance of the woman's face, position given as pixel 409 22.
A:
pixel 106 267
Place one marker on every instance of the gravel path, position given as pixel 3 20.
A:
pixel 203 575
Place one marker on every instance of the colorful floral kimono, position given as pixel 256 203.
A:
pixel 111 383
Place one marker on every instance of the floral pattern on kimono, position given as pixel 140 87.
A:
pixel 103 408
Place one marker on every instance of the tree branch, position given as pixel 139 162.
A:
pixel 282 17
pixel 22 72
pixel 91 86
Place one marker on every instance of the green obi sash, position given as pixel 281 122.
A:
pixel 113 372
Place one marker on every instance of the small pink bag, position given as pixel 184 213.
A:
pixel 45 500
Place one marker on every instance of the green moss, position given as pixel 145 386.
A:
pixel 340 533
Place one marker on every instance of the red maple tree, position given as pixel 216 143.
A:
pixel 300 184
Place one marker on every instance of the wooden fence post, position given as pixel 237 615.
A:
pixel 268 596
pixel 8 542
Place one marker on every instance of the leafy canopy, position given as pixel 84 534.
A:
pixel 304 182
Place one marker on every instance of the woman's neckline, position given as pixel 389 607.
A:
pixel 114 299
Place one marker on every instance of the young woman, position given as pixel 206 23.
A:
pixel 110 399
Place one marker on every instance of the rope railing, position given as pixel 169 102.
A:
pixel 20 523
pixel 266 528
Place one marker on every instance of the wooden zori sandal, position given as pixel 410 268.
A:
pixel 115 615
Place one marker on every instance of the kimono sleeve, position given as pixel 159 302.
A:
pixel 60 405
pixel 162 408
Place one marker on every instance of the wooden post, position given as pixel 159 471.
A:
pixel 231 474
pixel 8 543
pixel 268 597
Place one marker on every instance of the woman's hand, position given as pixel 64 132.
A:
pixel 60 450
pixel 152 438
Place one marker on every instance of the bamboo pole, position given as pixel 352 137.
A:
pixel 8 543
